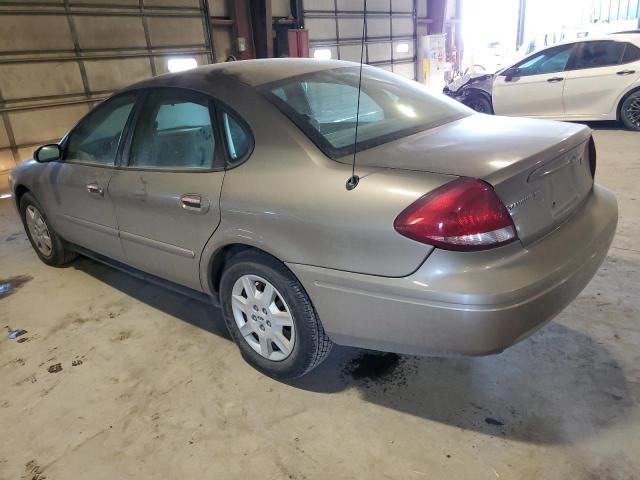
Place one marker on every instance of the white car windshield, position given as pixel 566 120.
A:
pixel 323 104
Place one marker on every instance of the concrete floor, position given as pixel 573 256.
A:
pixel 151 386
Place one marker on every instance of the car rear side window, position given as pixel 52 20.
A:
pixel 323 105
pixel 631 53
pixel 238 139
pixel 330 101
pixel 96 138
pixel 600 53
pixel 175 132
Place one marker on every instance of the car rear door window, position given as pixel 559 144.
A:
pixel 96 138
pixel 175 131
pixel 600 53
pixel 547 61
pixel 631 53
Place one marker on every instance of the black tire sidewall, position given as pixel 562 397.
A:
pixel 300 309
pixel 57 256
pixel 484 100
pixel 623 116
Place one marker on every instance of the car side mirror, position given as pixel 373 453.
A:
pixel 48 153
pixel 510 73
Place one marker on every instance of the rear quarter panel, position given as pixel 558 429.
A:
pixel 289 200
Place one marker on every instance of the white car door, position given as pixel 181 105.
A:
pixel 534 86
pixel 603 70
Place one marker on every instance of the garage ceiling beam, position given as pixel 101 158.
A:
pixel 175 50
pixel 355 41
pixel 88 7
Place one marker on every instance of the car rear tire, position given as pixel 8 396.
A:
pixel 48 245
pixel 479 103
pixel 630 111
pixel 270 316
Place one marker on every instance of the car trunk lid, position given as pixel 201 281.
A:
pixel 539 169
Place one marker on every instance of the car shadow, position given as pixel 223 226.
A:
pixel 197 313
pixel 555 387
pixel 604 125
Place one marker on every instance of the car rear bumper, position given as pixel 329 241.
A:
pixel 466 303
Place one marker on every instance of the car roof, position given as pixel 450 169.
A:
pixel 617 37
pixel 248 72
pixel 621 36
pixel 632 37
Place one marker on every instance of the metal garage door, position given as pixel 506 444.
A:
pixel 335 28
pixel 58 58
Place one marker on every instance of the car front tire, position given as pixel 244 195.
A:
pixel 270 316
pixel 630 111
pixel 47 244
pixel 479 103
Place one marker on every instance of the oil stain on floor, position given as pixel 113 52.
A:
pixel 376 368
pixel 8 286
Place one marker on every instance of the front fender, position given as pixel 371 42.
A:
pixel 482 84
pixel 25 174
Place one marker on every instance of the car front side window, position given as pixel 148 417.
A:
pixel 600 54
pixel 175 131
pixel 96 138
pixel 547 61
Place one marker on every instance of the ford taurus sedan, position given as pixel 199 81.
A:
pixel 464 234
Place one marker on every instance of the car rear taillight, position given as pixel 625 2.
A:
pixel 464 214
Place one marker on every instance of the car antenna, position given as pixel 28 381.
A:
pixel 355 179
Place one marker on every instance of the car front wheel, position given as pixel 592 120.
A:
pixel 630 111
pixel 270 316
pixel 479 103
pixel 51 249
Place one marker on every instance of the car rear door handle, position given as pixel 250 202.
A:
pixel 194 202
pixel 555 79
pixel 626 72
pixel 95 189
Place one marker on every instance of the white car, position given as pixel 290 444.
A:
pixel 582 80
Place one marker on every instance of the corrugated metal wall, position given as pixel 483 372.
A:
pixel 59 58
pixel 336 25
pixel 612 10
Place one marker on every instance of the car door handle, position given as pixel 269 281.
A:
pixel 95 189
pixel 626 72
pixel 194 202
pixel 555 79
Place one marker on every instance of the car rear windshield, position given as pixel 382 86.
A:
pixel 323 105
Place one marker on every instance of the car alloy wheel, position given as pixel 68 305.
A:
pixel 479 104
pixel 263 317
pixel 632 111
pixel 39 231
